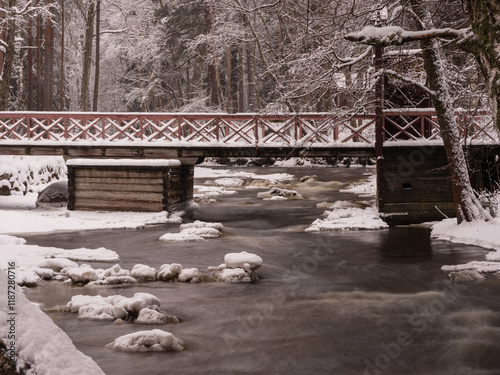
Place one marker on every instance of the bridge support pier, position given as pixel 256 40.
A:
pixel 150 185
pixel 414 182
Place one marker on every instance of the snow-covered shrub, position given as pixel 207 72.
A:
pixel 490 201
pixel 24 174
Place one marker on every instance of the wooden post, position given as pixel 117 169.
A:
pixel 379 120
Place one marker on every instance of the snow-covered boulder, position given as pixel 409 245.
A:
pixel 102 311
pixel 27 277
pixel 180 237
pixel 82 274
pixel 234 275
pixel 116 270
pixel 136 303
pixel 278 193
pixel 191 275
pixel 202 224
pixel 243 260
pixel 202 232
pixel 155 340
pixel 143 272
pixel 150 316
pixel 54 195
pixel 169 272
pixel 80 300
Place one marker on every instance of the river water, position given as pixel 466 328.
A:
pixel 352 302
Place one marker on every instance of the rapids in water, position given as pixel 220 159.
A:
pixel 351 302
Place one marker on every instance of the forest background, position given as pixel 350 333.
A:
pixel 216 56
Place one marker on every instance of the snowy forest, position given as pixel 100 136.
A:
pixel 223 55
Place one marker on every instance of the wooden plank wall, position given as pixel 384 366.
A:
pixel 414 185
pixel 145 188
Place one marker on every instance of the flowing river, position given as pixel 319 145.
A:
pixel 350 302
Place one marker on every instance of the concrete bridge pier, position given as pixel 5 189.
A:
pixel 151 185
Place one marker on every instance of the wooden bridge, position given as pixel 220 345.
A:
pixel 165 135
pixel 406 191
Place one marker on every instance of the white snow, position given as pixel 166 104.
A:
pixel 169 272
pixel 197 231
pixel 243 260
pixel 274 178
pixel 180 237
pixel 39 343
pixel 123 162
pixel 82 274
pixel 346 215
pixel 143 272
pixel 352 218
pixel 155 340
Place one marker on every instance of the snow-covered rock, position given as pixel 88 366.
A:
pixel 27 278
pixel 169 272
pixel 136 303
pixel 116 270
pixel 234 275
pixel 155 340
pixel 150 316
pixel 102 311
pixel 202 232
pixel 192 275
pixel 143 272
pixel 202 224
pixel 82 274
pixel 243 260
pixel 180 237
pixel 278 193
pixel 352 218
pixel 81 300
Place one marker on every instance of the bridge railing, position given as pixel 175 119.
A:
pixel 236 129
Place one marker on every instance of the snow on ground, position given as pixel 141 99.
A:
pixel 16 221
pixel 479 233
pixel 39 344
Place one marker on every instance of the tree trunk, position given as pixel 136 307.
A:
pixel 8 60
pixel 48 65
pixel 484 16
pixel 87 58
pixel 467 205
pixel 97 55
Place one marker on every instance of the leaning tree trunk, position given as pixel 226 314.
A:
pixel 467 205
pixel 485 21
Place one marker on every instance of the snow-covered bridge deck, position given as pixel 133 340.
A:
pixel 167 135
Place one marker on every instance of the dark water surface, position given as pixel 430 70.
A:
pixel 354 302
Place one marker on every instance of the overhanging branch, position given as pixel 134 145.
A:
pixel 395 35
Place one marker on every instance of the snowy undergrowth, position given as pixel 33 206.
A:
pixel 21 175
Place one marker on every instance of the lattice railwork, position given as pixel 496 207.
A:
pixel 304 130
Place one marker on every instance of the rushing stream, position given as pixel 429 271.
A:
pixel 352 302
